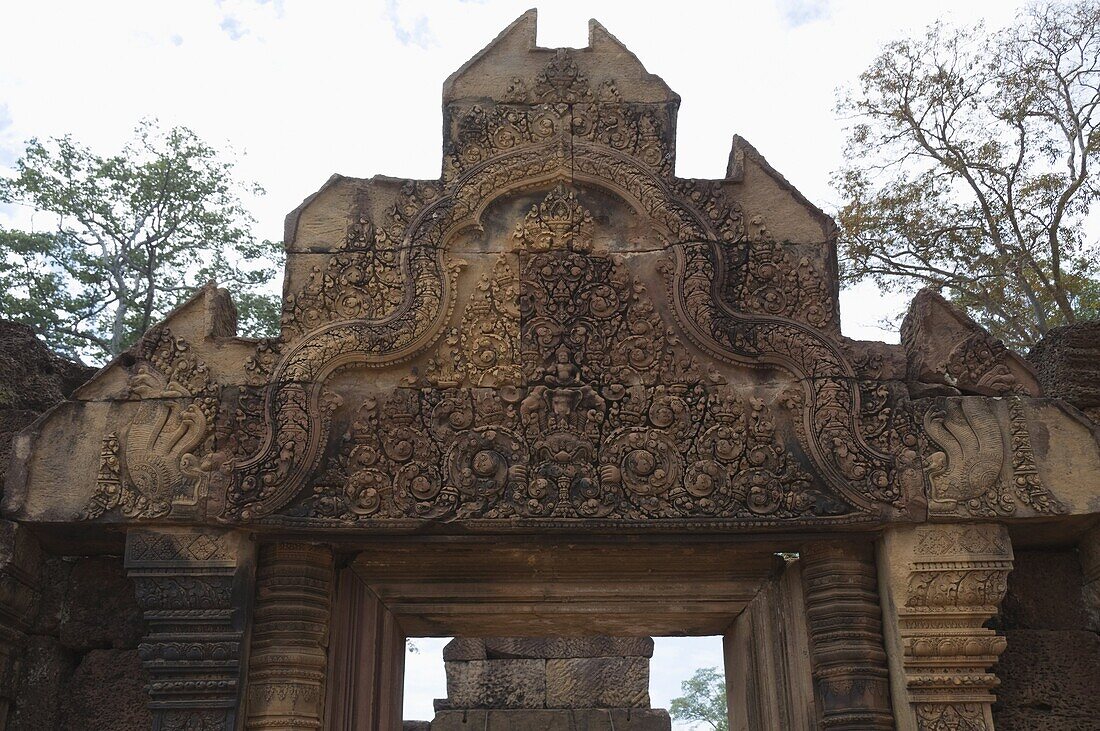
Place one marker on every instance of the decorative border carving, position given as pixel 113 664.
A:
pixel 948 580
pixel 193 587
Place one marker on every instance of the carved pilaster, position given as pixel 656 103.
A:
pixel 845 624
pixel 942 583
pixel 20 564
pixel 195 588
pixel 289 637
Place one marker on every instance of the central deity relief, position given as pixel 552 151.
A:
pixel 564 394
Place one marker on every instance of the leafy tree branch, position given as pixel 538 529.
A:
pixel 136 233
pixel 971 159
pixel 703 700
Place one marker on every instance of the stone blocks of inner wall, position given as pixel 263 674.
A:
pixel 591 719
pixel 600 682
pixel 469 648
pixel 497 684
pixel 547 673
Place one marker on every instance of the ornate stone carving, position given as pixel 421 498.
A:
pixel 944 346
pixel 561 81
pixel 484 350
pixel 192 586
pixel 558 222
pixel 967 475
pixel 968 471
pixel 551 240
pixel 152 466
pixel 286 670
pixel 593 421
pixel 386 294
pixel 1025 473
pixel 831 428
pixel 846 646
pixel 945 582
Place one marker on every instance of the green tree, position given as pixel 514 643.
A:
pixel 970 168
pixel 703 700
pixel 135 234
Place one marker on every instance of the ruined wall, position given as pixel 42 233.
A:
pixel 32 379
pixel 1051 668
pixel 1066 363
pixel 82 632
pixel 596 683
pixel 80 668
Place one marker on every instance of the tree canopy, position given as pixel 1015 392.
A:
pixel 703 700
pixel 970 168
pixel 135 234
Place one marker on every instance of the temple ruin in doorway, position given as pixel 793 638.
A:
pixel 560 393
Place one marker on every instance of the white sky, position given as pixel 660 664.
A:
pixel 307 89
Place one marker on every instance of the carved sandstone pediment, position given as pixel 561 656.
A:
pixel 556 332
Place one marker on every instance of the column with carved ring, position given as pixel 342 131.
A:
pixel 846 647
pixel 941 583
pixel 286 670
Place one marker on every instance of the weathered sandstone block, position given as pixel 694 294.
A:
pixel 496 684
pixel 1067 361
pixel 598 682
pixel 469 648
pixel 554 720
pixel 107 693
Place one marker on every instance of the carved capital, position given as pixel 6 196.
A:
pixel 194 587
pixel 943 583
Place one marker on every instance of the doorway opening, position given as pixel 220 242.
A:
pixel 584 605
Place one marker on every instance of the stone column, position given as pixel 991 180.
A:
pixel 195 589
pixel 941 583
pixel 20 565
pixel 366 668
pixel 767 658
pixel 846 648
pixel 286 667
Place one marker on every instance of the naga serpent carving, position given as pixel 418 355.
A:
pixel 702 230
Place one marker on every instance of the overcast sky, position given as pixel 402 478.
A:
pixel 304 89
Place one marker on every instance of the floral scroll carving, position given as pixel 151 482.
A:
pixel 603 414
pixel 831 428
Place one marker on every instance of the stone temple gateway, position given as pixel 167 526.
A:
pixel 562 394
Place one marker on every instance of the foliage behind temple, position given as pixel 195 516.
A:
pixel 135 234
